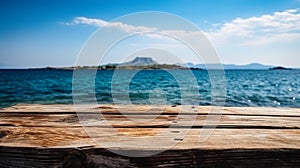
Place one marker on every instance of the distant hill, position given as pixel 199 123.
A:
pixel 227 66
pixel 140 61
pixel 248 66
pixel 143 63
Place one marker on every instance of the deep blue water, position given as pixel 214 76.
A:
pixel 276 88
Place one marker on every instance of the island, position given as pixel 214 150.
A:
pixel 145 63
pixel 280 68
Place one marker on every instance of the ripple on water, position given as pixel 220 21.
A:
pixel 243 88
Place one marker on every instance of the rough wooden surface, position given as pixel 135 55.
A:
pixel 34 135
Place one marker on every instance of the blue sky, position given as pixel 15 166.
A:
pixel 37 33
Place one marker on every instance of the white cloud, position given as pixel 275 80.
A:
pixel 259 30
pixel 102 23
pixel 89 21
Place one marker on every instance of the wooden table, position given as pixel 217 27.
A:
pixel 34 135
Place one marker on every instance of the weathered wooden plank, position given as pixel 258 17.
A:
pixel 137 120
pixel 220 138
pixel 163 109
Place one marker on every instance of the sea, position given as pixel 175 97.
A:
pixel 248 88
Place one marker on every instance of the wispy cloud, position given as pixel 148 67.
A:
pixel 103 23
pixel 259 30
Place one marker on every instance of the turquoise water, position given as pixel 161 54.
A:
pixel 276 88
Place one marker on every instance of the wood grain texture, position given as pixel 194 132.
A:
pixel 33 135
